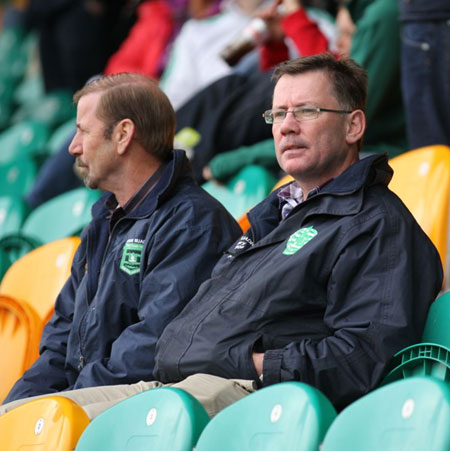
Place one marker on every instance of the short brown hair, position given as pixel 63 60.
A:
pixel 138 98
pixel 348 78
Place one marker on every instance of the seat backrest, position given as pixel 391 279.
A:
pixel 286 416
pixel 412 414
pixel 17 177
pixel 51 423
pixel 247 188
pixel 20 333
pixel 61 135
pixel 38 277
pixel 22 139
pixel 162 419
pixel 64 215
pixel 53 109
pixel 431 357
pixel 422 180
pixel 283 181
pixel 437 326
pixel 12 214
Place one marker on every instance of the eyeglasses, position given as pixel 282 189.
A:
pixel 300 114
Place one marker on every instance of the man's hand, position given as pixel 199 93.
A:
pixel 258 359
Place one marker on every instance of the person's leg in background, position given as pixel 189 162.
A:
pixel 426 82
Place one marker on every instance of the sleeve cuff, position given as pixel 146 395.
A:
pixel 272 367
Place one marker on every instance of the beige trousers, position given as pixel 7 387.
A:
pixel 214 393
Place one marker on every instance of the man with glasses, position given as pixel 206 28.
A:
pixel 333 277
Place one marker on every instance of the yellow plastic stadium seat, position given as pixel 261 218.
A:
pixel 283 181
pixel 47 424
pixel 39 276
pixel 20 332
pixel 422 180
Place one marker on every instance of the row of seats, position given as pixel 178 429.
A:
pixel 63 216
pixel 401 414
pixel 27 296
pixel 412 414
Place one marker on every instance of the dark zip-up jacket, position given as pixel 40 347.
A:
pixel 123 291
pixel 328 294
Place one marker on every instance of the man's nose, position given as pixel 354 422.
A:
pixel 289 123
pixel 75 145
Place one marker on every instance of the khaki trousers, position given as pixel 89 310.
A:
pixel 214 393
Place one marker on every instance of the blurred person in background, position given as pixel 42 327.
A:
pixel 426 70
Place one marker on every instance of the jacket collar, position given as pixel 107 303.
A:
pixel 333 198
pixel 178 168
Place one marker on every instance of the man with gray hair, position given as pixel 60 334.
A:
pixel 154 238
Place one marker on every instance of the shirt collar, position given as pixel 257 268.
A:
pixel 291 195
pixel 116 211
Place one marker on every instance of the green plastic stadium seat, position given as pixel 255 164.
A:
pixel 17 177
pixel 60 136
pixel 12 214
pixel 13 57
pixel 62 216
pixel 249 187
pixel 6 102
pixel 286 416
pixel 29 90
pixel 160 419
pixel 53 109
pixel 24 139
pixel 412 414
pixel 431 357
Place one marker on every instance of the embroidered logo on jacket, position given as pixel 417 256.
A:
pixel 298 239
pixel 131 256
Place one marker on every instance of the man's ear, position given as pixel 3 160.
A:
pixel 356 126
pixel 123 135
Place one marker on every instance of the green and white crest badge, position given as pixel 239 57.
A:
pixel 132 256
pixel 298 239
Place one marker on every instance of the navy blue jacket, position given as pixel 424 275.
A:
pixel 122 292
pixel 329 294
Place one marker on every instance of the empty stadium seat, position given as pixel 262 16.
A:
pixel 160 419
pixel 17 177
pixel 38 277
pixel 431 357
pixel 20 332
pixel 27 296
pixel 422 180
pixel 249 187
pixel 62 216
pixel 53 423
pixel 60 136
pixel 12 214
pixel 412 414
pixel 24 139
pixel 286 416
pixel 53 109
